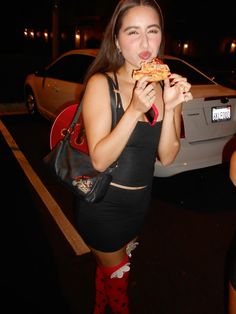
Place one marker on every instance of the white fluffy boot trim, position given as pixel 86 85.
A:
pixel 130 247
pixel 119 273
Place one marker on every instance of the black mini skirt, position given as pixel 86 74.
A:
pixel 113 222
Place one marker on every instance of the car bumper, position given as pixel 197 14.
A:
pixel 194 156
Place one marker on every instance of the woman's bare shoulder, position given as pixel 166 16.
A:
pixel 97 78
pixel 96 92
pixel 233 157
pixel 232 170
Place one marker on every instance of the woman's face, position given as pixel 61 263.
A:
pixel 140 35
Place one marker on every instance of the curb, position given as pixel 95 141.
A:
pixel 13 108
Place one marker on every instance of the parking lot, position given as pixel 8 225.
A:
pixel 179 267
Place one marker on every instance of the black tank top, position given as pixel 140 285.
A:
pixel 136 162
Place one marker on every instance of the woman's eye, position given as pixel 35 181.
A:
pixel 132 33
pixel 153 31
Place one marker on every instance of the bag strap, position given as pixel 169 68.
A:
pixel 113 98
pixel 119 103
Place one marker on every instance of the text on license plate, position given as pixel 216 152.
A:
pixel 222 113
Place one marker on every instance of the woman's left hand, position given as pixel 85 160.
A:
pixel 176 91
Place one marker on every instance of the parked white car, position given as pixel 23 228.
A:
pixel 50 90
pixel 208 121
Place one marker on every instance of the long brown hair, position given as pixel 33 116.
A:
pixel 109 59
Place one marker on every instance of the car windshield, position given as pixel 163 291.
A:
pixel 194 77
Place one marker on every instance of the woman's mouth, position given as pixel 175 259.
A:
pixel 144 55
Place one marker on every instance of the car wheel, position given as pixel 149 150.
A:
pixel 30 102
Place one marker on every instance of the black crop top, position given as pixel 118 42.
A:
pixel 136 162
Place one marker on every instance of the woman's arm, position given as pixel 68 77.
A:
pixel 176 91
pixel 232 170
pixel 169 144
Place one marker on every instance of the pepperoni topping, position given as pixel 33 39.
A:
pixel 158 61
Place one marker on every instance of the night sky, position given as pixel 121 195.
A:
pixel 204 18
pixel 191 14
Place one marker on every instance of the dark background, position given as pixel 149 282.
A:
pixel 200 20
pixel 204 24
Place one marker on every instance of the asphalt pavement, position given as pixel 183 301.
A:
pixel 179 267
pixel 28 279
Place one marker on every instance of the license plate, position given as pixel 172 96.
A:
pixel 222 113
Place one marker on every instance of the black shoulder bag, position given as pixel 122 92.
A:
pixel 73 167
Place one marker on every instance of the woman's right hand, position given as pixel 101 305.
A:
pixel 144 95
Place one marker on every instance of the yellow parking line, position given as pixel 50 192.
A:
pixel 55 210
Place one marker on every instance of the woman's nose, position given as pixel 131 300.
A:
pixel 144 41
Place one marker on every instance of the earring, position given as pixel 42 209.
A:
pixel 117 46
pixel 118 49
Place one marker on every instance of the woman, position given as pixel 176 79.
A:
pixel 110 227
pixel 232 169
pixel 232 274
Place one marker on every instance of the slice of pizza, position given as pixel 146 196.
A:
pixel 156 69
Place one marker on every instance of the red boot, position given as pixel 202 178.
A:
pixel 116 286
pixel 100 297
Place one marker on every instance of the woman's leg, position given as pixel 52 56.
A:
pixel 112 281
pixel 232 299
pixel 101 300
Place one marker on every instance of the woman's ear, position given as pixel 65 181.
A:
pixel 117 45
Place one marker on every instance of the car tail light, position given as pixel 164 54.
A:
pixel 182 130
